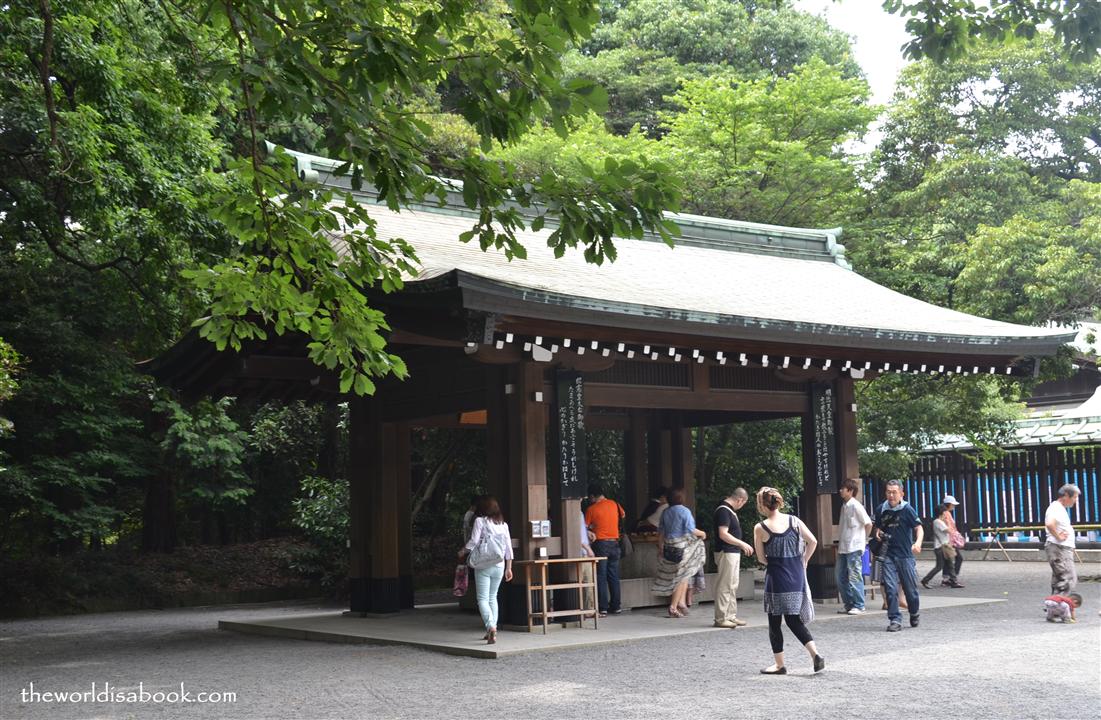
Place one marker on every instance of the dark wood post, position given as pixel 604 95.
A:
pixel 403 496
pixel 374 561
pixel 683 461
pixel 497 446
pixel 637 491
pixel 659 452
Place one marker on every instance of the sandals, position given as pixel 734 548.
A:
pixel 683 609
pixel 675 613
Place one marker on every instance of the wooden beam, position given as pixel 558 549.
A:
pixel 426 406
pixel 599 395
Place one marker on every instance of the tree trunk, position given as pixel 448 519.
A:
pixel 158 528
pixel 434 480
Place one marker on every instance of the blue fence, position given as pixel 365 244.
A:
pixel 1014 490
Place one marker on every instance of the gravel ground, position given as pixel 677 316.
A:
pixel 986 661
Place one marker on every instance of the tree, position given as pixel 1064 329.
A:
pixel 184 92
pixel 771 150
pixel 982 195
pixel 948 29
pixel 644 50
pixel 9 367
pixel 1042 265
pixel 207 448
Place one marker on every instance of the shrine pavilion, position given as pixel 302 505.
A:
pixel 738 322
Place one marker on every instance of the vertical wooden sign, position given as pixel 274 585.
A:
pixel 824 419
pixel 572 459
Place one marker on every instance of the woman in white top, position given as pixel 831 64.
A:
pixel 488 580
pixel 945 553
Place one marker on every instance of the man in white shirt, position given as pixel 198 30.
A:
pixel 855 526
pixel 1060 540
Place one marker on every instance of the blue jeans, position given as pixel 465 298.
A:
pixel 850 579
pixel 900 571
pixel 487 582
pixel 607 574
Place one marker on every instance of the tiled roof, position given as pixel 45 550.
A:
pixel 725 278
pixel 705 289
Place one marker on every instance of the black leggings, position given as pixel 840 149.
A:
pixel 776 637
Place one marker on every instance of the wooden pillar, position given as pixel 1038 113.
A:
pixel 637 491
pixel 403 493
pixel 847 466
pixel 374 558
pixel 683 462
pixel 527 428
pixel 659 452
pixel 571 528
pixel 497 445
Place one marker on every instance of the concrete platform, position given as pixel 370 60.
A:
pixel 447 629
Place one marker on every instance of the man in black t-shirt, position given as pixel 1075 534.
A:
pixel 728 548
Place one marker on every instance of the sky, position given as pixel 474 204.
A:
pixel 878 38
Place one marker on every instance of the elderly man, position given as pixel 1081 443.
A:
pixel 728 549
pixel 898 526
pixel 1060 540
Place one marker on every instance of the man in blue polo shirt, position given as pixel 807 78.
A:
pixel 898 525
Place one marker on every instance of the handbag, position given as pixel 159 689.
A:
pixel 806 612
pixel 875 545
pixel 672 554
pixel 956 539
pixel 626 547
pixel 488 552
pixel 458 588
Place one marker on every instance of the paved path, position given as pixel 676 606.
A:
pixel 980 661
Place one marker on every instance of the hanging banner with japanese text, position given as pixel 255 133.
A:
pixel 824 418
pixel 571 435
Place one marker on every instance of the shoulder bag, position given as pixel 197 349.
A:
pixel 488 552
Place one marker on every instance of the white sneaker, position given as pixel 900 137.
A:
pixel 855 611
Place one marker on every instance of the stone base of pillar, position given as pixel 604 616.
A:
pixel 823 581
pixel 375 595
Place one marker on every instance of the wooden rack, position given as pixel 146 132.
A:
pixel 542 586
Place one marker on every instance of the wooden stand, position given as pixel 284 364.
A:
pixel 543 586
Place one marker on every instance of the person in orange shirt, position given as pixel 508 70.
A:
pixel 603 518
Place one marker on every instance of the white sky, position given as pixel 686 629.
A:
pixel 878 38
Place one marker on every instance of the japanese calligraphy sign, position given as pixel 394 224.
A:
pixel 824 418
pixel 571 435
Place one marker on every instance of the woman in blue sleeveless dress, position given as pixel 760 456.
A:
pixel 785 545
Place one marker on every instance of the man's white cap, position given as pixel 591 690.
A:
pixel 949 500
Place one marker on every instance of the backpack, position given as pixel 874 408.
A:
pixel 489 551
